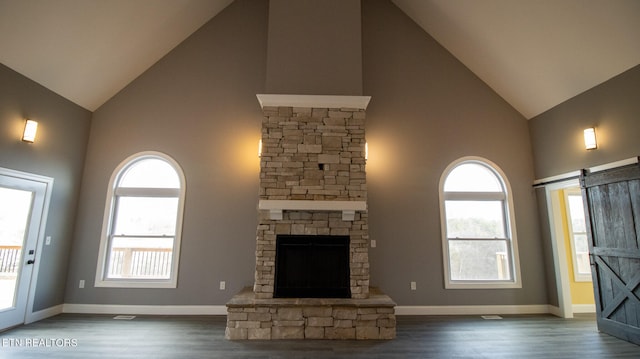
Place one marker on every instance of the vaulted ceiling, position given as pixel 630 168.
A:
pixel 535 54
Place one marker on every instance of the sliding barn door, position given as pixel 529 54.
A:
pixel 612 208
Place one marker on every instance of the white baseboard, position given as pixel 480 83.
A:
pixel 145 309
pixel 555 311
pixel 43 314
pixel 472 309
pixel 222 310
pixel 583 308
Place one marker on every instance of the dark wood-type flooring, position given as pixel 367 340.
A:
pixel 539 336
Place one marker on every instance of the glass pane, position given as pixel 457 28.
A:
pixel 479 260
pixel 151 173
pixel 472 177
pixel 581 245
pixel 15 207
pixel 147 258
pixel 576 211
pixel 475 219
pixel 146 216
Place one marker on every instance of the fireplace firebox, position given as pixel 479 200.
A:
pixel 312 266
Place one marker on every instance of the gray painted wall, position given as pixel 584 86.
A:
pixel 428 110
pixel 558 146
pixel 59 153
pixel 612 107
pixel 198 105
pixel 314 47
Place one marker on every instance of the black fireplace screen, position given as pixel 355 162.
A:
pixel 312 267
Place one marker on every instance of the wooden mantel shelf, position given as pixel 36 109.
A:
pixel 348 208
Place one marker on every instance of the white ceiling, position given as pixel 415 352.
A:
pixel 535 54
pixel 88 50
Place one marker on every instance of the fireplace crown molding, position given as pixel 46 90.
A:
pixel 275 207
pixel 314 101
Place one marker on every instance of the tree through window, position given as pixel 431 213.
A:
pixel 478 228
pixel 141 234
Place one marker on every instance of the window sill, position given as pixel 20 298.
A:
pixel 142 283
pixel 482 285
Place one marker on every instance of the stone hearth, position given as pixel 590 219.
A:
pixel 313 183
pixel 310 318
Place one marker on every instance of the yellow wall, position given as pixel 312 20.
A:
pixel 581 292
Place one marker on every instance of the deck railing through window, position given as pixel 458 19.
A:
pixel 140 263
pixel 9 258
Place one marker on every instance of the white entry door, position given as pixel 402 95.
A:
pixel 22 204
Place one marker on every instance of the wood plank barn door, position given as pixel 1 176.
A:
pixel 612 210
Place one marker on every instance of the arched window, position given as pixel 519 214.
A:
pixel 142 225
pixel 478 229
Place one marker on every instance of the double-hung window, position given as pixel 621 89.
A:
pixel 578 235
pixel 478 230
pixel 140 242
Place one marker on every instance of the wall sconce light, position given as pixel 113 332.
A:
pixel 590 142
pixel 30 130
pixel 260 148
pixel 366 151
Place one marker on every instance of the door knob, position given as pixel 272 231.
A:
pixel 30 261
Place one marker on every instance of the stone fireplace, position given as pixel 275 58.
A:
pixel 312 234
pixel 313 180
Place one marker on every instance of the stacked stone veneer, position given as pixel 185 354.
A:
pixel 312 154
pixel 295 141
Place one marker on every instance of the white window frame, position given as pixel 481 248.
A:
pixel 577 277
pixel 510 230
pixel 101 279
